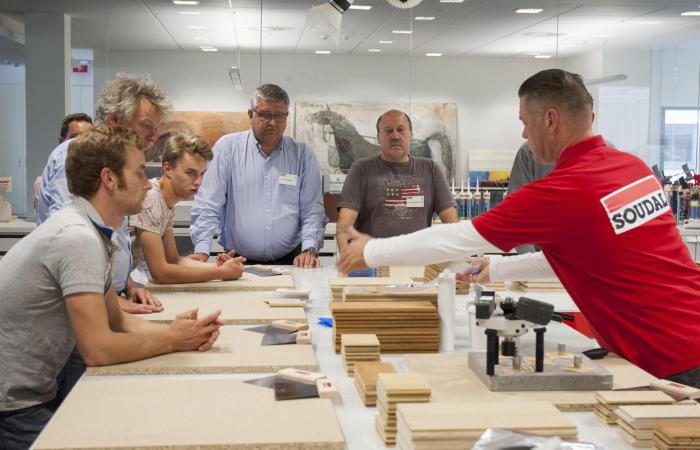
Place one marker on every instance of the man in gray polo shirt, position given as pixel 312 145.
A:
pixel 56 288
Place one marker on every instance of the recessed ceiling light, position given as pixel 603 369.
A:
pixel 425 18
pixel 402 31
pixel 386 42
pixel 433 54
pixel 528 10
pixel 690 13
pixel 186 2
pixel 209 49
pixel 543 56
pixel 650 22
pixel 196 27
pixel 451 1
pixel 374 50
pixel 361 7
pixel 188 13
pixel 323 52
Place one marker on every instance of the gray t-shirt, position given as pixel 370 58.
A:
pixel 65 255
pixel 395 198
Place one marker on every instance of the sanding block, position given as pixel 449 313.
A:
pixel 326 388
pixel 288 292
pixel 303 337
pixel 303 376
pixel 677 389
pixel 285 302
pixel 289 325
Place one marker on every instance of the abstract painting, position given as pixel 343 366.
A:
pixel 340 133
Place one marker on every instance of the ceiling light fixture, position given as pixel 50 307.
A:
pixel 543 56
pixel 690 13
pixel 528 10
pixel 402 31
pixel 188 13
pixel 323 52
pixel 451 1
pixel 425 18
pixel 186 2
pixel 361 7
pixel 374 50
pixel 386 42
pixel 209 49
pixel 433 54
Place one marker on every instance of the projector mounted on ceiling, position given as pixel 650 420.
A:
pixel 404 4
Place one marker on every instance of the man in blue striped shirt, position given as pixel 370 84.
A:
pixel 262 191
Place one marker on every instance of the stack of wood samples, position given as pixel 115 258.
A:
pixel 457 426
pixel 393 388
pixel 608 401
pixel 433 270
pixel 401 327
pixel 677 435
pixel 637 423
pixel 339 283
pixel 382 293
pixel 366 374
pixel 357 348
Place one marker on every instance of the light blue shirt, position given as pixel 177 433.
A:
pixel 264 206
pixel 54 194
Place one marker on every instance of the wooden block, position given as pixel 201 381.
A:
pixel 303 376
pixel 237 308
pixel 247 282
pixel 365 340
pixel 366 373
pixel 290 325
pixel 285 302
pixel 287 292
pixel 187 414
pixel 676 388
pixel 326 388
pixel 236 351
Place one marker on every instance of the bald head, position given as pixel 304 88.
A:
pixel 395 112
pixel 394 135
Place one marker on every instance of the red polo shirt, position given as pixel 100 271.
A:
pixel 605 226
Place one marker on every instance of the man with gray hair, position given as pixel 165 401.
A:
pixel 262 191
pixel 133 102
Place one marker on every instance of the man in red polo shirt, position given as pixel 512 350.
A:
pixel 604 226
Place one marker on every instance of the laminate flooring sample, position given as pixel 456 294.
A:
pixel 247 282
pixel 188 414
pixel 237 308
pixel 236 351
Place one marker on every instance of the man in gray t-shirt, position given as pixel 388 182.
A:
pixel 393 193
pixel 56 288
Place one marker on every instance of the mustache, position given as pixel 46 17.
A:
pixel 395 142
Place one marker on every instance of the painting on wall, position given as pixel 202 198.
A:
pixel 340 133
pixel 207 124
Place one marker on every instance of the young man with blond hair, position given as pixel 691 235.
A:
pixel 185 158
pixel 68 300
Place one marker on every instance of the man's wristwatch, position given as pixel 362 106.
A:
pixel 311 251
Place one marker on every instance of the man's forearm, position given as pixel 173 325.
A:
pixel 342 236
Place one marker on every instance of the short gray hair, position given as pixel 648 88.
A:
pixel 268 93
pixel 121 96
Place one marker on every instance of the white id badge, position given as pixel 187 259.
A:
pixel 417 201
pixel 288 178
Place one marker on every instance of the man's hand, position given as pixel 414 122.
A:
pixel 143 296
pixel 481 275
pixel 353 257
pixel 137 308
pixel 191 333
pixel 203 257
pixel 221 258
pixel 306 260
pixel 232 269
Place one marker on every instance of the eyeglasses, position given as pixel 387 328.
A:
pixel 267 117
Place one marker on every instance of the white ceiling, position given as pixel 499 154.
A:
pixel 475 27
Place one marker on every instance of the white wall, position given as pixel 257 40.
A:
pixel 12 134
pixel 484 89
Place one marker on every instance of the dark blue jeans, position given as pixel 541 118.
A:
pixel 19 428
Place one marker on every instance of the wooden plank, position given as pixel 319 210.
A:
pixel 451 380
pixel 236 351
pixel 237 308
pixel 247 282
pixel 188 414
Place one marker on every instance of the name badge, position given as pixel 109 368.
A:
pixel 288 178
pixel 417 201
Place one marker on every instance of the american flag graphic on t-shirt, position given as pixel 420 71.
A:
pixel 396 196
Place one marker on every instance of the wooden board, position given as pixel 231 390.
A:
pixel 236 351
pixel 416 273
pixel 237 308
pixel 188 414
pixel 248 282
pixel 451 381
